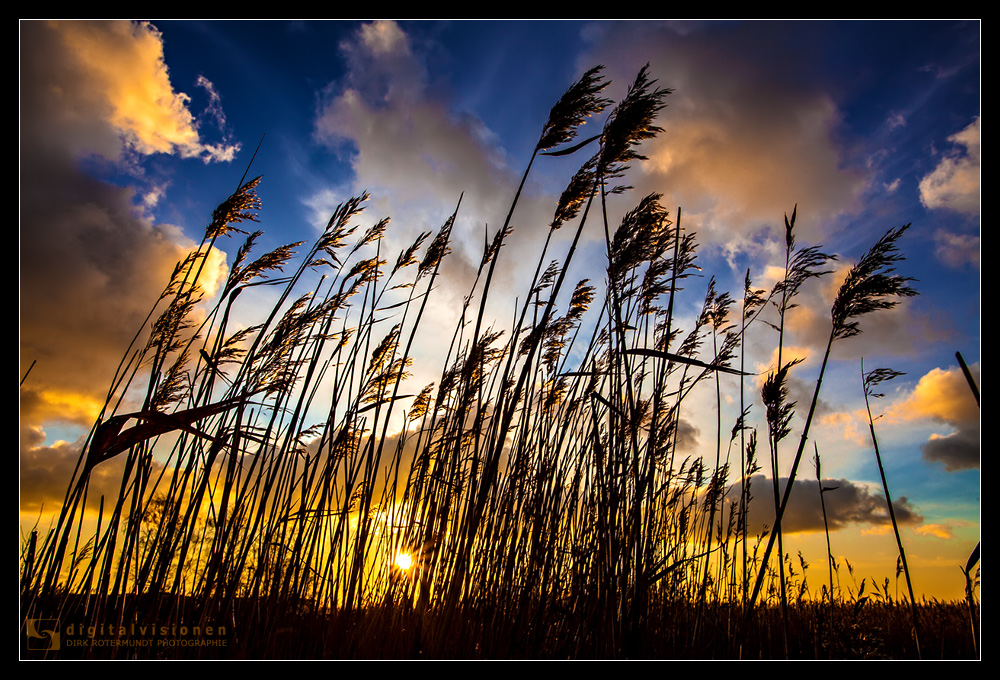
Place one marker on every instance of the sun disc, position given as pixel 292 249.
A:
pixel 404 561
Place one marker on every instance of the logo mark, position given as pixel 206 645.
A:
pixel 43 634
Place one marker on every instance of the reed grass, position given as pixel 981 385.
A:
pixel 539 486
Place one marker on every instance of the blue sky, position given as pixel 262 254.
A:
pixel 131 134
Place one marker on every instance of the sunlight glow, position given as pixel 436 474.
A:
pixel 404 561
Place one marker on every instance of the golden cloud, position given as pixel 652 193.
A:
pixel 936 530
pixel 742 143
pixel 789 353
pixel 941 395
pixel 848 426
pixel 115 71
pixel 945 397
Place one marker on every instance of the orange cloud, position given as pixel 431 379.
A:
pixel 113 72
pixel 883 530
pixel 751 157
pixel 936 530
pixel 945 397
pixel 788 353
pixel 941 395
pixel 848 426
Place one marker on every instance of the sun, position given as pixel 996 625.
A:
pixel 404 561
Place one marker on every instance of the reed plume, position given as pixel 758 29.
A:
pixel 871 285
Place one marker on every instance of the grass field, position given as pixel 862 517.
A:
pixel 286 493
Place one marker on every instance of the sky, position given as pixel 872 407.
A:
pixel 132 132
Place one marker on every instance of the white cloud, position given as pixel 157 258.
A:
pixel 214 107
pixel 954 183
pixel 416 157
pixel 384 37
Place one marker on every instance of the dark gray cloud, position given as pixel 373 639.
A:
pixel 687 436
pixel 849 505
pixel 960 450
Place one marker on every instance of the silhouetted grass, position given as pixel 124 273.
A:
pixel 537 485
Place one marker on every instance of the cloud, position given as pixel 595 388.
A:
pixel 384 37
pixel 936 530
pixel 214 107
pixel 91 270
pixel 92 264
pixel 744 140
pixel 103 88
pixel 849 504
pixel 742 145
pixel 47 470
pixel 954 183
pixel 402 141
pixel 810 322
pixel 847 426
pixel 418 155
pixel 687 435
pixel 941 395
pixel 957 250
pixel 808 325
pixel 960 450
pixel 944 396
